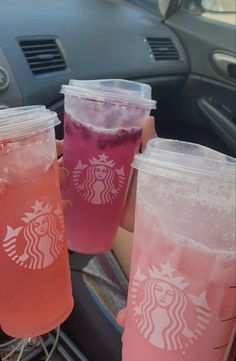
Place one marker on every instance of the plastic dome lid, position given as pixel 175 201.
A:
pixel 22 121
pixel 112 90
pixel 186 157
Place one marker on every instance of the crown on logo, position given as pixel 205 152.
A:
pixel 166 274
pixel 38 211
pixel 102 160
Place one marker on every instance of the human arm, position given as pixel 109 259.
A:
pixel 63 172
pixel 124 239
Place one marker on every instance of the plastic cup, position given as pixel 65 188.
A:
pixel 182 288
pixel 36 294
pixel 102 130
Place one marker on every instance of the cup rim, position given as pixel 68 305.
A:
pixel 107 97
pixel 154 158
pixel 24 121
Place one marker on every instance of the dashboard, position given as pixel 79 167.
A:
pixel 44 44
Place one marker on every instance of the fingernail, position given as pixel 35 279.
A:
pixel 66 172
pixel 69 203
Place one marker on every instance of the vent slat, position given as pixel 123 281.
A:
pixel 164 55
pixel 36 52
pixel 39 46
pixel 157 46
pixel 43 56
pixel 162 49
pixel 45 63
pixel 37 56
pixel 48 67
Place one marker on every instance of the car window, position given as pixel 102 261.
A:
pixel 217 10
pixel 219 5
pixel 158 7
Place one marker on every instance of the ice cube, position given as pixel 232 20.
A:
pixel 24 159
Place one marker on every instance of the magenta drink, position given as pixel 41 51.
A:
pixel 101 135
pixel 182 290
pixel 99 179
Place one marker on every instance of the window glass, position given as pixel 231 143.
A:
pixel 157 7
pixel 219 5
pixel 218 10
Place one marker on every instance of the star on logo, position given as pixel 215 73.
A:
pixel 103 158
pixel 167 269
pixel 200 300
pixel 58 211
pixel 120 171
pixel 12 233
pixel 38 206
pixel 139 276
pixel 80 166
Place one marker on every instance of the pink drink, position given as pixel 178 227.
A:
pixel 99 165
pixel 177 321
pixel 182 293
pixel 103 121
pixel 35 293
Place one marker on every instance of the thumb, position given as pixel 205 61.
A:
pixel 121 316
pixel 148 131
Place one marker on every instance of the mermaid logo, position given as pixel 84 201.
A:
pixel 41 237
pixel 98 182
pixel 167 316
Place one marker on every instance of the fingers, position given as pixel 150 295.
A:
pixel 66 204
pixel 121 316
pixel 60 146
pixel 60 162
pixel 63 174
pixel 148 131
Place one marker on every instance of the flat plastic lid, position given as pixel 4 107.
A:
pixel 186 157
pixel 23 121
pixel 112 90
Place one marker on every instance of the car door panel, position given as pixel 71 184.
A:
pixel 207 102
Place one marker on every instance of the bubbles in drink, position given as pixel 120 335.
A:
pixel 99 161
pixel 23 159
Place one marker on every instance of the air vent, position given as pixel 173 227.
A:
pixel 162 49
pixel 43 55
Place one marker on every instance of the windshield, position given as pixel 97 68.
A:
pixel 150 5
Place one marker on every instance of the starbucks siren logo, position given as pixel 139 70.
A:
pixel 98 182
pixel 162 315
pixel 42 235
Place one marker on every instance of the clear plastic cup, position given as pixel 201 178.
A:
pixel 102 132
pixel 182 288
pixel 36 294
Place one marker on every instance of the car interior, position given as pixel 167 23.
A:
pixel 187 55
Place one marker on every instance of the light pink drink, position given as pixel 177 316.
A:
pixel 182 293
pixel 99 166
pixel 35 293
pixel 102 132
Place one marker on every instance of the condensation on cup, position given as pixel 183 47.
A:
pixel 36 294
pixel 102 132
pixel 182 288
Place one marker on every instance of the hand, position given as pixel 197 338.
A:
pixel 63 172
pixel 148 132
pixel 121 316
